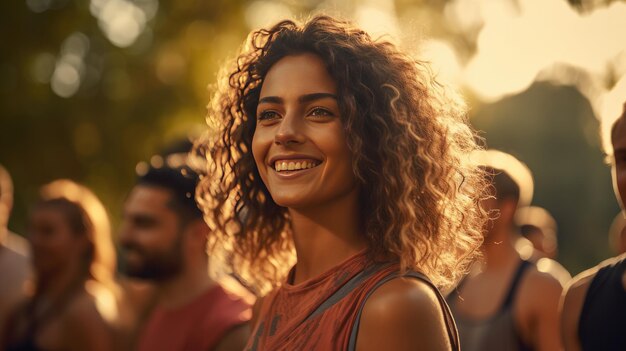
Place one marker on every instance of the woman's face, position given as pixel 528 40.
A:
pixel 53 244
pixel 299 144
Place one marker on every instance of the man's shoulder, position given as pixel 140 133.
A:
pixel 219 295
pixel 225 312
pixel 580 283
pixel 223 307
pixel 610 263
pixel 573 299
pixel 576 289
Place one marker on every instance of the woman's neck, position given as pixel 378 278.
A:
pixel 326 235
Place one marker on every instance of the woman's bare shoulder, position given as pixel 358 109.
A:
pixel 403 314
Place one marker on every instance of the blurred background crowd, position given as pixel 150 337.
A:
pixel 93 90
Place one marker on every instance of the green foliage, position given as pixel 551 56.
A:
pixel 131 102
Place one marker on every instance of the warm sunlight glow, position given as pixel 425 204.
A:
pixel 260 14
pixel 378 18
pixel 514 47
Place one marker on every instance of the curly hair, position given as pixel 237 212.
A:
pixel 408 138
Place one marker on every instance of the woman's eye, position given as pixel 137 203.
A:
pixel 318 111
pixel 266 115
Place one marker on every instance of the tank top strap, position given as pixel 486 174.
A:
pixel 453 334
pixel 510 296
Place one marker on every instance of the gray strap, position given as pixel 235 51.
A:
pixel 348 287
pixel 453 334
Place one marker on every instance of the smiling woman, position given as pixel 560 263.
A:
pixel 343 151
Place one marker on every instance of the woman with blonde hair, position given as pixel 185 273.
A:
pixel 342 155
pixel 74 264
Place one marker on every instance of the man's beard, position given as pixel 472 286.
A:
pixel 155 266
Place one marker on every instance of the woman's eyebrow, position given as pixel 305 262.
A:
pixel 271 100
pixel 301 99
pixel 316 96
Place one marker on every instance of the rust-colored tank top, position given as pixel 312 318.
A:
pixel 323 313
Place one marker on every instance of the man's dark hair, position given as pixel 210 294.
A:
pixel 505 186
pixel 181 182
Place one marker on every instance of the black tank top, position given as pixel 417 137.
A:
pixel 603 317
pixel 494 333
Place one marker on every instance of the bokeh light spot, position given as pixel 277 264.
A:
pixel 65 80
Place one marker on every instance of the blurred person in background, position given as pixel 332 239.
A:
pixel 74 300
pixel 15 268
pixel 594 304
pixel 538 226
pixel 506 302
pixel 617 234
pixel 164 239
pixel 537 241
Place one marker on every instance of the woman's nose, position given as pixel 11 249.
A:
pixel 289 131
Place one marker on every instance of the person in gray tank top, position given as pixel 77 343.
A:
pixel 505 302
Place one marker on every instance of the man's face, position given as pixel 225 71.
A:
pixel 619 165
pixel 150 235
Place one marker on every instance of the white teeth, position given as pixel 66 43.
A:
pixel 293 166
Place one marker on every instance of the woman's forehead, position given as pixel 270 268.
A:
pixel 296 75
